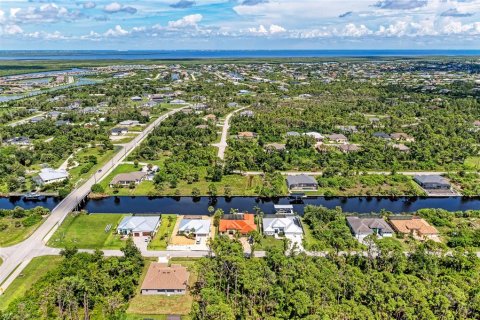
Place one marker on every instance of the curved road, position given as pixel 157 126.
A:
pixel 16 257
pixel 222 145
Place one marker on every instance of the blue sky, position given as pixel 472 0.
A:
pixel 240 24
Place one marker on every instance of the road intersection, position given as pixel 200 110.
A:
pixel 16 257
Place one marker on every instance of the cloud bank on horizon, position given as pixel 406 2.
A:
pixel 239 24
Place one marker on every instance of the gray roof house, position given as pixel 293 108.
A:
pixel 432 182
pixel 362 227
pixel 125 179
pixel 301 182
pixel 138 225
pixel 199 227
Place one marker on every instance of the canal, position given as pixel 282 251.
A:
pixel 194 206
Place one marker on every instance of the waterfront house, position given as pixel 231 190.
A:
pixel 49 175
pixel 301 182
pixel 363 227
pixel 196 227
pixel 417 227
pixel 242 223
pixel 287 226
pixel 139 226
pixel 125 179
pixel 433 182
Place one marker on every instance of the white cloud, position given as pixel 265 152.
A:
pixel 89 5
pixel 351 30
pixel 276 29
pixel 116 32
pixel 115 7
pixel 187 21
pixel 12 30
pixel 262 30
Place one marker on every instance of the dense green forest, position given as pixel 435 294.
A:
pixel 383 284
pixel 440 124
pixel 84 286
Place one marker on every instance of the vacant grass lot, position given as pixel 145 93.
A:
pixel 239 185
pixel 159 305
pixel 160 240
pixel 37 268
pixel 88 232
pixel 15 231
pixel 82 156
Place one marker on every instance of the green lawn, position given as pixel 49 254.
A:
pixel 143 306
pixel 472 163
pixel 88 232
pixel 32 273
pixel 14 233
pixel 269 242
pixel 160 240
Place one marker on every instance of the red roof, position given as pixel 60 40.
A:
pixel 244 224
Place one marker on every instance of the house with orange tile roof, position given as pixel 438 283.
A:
pixel 415 226
pixel 165 280
pixel 241 223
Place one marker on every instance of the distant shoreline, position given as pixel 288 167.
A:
pixel 39 55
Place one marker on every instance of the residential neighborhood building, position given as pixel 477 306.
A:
pixel 288 225
pixel 246 135
pixel 348 147
pixel 317 136
pixel 125 179
pixel 118 131
pixel 363 227
pixel 338 138
pixel 400 136
pixel 275 147
pixel 432 182
pixel 165 280
pixel 139 226
pixel 197 227
pixel 242 223
pixel 49 175
pixel 18 141
pixel 417 227
pixel 129 123
pixel 301 182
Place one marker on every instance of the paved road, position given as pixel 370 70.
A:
pixel 222 145
pixel 25 120
pixel 16 257
pixel 319 173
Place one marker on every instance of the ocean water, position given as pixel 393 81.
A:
pixel 209 54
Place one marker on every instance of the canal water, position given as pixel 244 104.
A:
pixel 195 206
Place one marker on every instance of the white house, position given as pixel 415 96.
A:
pixel 49 175
pixel 198 227
pixel 139 226
pixel 289 225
